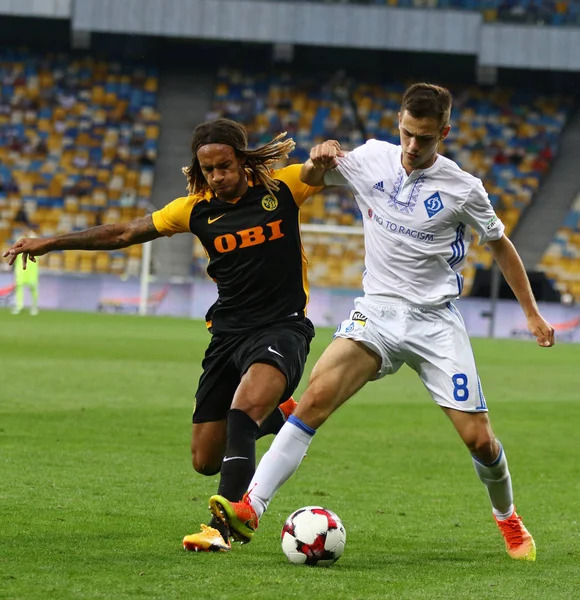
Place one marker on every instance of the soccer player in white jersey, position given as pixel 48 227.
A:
pixel 417 206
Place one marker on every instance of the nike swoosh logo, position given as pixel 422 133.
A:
pixel 210 220
pixel 270 349
pixel 227 458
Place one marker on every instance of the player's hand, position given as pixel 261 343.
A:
pixel 324 155
pixel 30 248
pixel 542 331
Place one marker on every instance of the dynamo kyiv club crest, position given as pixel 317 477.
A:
pixel 433 204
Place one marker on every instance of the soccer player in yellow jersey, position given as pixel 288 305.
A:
pixel 247 218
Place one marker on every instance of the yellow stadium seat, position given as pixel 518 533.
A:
pixel 102 262
pixel 98 95
pixel 54 261
pixel 86 263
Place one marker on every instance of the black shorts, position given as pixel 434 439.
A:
pixel 283 345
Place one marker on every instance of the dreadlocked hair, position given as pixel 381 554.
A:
pixel 258 162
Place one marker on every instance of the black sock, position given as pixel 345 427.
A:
pixel 272 424
pixel 239 461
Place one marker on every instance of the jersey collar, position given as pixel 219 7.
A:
pixel 417 172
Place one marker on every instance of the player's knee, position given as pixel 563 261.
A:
pixel 203 466
pixel 484 446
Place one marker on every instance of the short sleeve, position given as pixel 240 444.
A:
pixel 478 212
pixel 174 217
pixel 291 177
pixel 349 167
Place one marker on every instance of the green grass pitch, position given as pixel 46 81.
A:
pixel 97 491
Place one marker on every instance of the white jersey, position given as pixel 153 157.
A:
pixel 416 227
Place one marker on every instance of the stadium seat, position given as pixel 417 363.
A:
pixel 69 155
pixel 561 261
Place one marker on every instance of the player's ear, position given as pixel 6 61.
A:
pixel 445 132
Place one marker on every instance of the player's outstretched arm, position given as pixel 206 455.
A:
pixel 511 266
pixel 103 237
pixel 322 159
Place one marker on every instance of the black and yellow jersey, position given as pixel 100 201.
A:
pixel 254 249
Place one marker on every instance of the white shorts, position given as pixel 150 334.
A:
pixel 432 340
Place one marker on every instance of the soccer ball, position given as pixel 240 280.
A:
pixel 313 536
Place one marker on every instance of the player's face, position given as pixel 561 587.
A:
pixel 419 140
pixel 223 171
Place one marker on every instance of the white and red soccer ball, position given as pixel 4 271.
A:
pixel 313 536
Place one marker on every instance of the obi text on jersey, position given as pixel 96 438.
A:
pixel 254 250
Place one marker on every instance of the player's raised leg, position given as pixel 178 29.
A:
pixel 491 466
pixel 207 450
pixel 268 366
pixel 258 392
pixel 213 399
pixel 344 367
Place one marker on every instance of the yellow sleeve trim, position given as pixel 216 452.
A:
pixel 291 177
pixel 174 217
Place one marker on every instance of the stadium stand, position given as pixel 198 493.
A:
pixel 78 142
pixel 506 137
pixel 561 262
pixel 540 12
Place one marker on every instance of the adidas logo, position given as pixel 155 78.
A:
pixel 379 186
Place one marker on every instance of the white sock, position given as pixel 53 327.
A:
pixel 279 463
pixel 497 479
